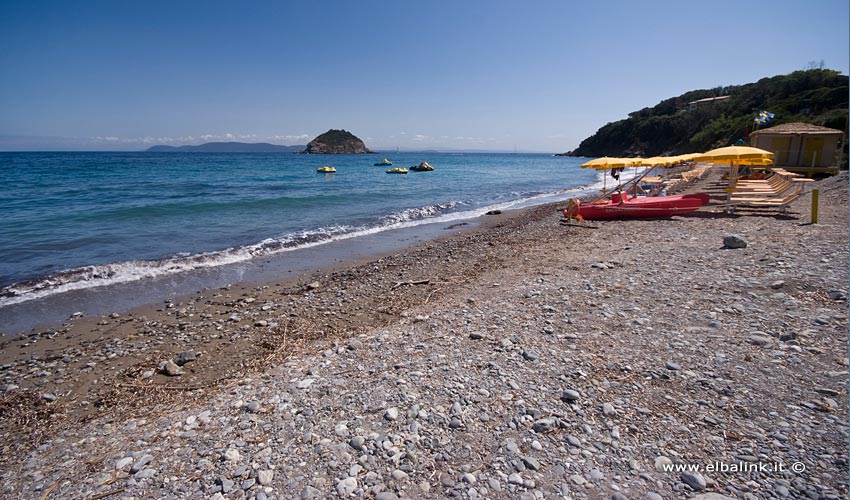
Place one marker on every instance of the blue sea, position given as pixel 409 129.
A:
pixel 70 221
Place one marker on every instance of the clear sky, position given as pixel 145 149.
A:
pixel 491 75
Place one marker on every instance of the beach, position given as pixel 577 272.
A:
pixel 522 358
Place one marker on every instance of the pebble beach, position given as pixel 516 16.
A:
pixel 527 358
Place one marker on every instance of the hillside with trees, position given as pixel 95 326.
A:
pixel 674 126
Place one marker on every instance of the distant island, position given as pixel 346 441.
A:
pixel 337 142
pixel 227 147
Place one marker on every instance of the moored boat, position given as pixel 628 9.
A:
pixel 326 170
pixel 383 163
pixel 397 170
pixel 624 206
pixel 422 167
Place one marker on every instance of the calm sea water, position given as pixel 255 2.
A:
pixel 77 220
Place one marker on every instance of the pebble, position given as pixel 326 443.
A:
pixel 693 479
pixel 570 396
pixel 171 369
pixel 265 477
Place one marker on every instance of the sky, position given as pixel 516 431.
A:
pixel 537 76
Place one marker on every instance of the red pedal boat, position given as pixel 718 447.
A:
pixel 623 206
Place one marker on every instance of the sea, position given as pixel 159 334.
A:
pixel 79 220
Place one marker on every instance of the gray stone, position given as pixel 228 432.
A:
pixel 265 477
pixel 515 478
pixel 347 486
pixel 399 475
pixel 570 396
pixel 357 442
pixel 140 463
pixel 531 463
pixel 759 340
pixel 694 480
pixel 145 474
pixel 185 357
pixel 391 414
pixel 386 495
pixel 734 241
pixel 673 366
pixel 171 369
pixel 663 464
pixel 545 425
pixel 529 355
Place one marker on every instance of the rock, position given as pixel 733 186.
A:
pixel 777 284
pixel 303 384
pixel 253 406
pixel 232 455
pixel 673 366
pixel 124 462
pixel 529 355
pixel 140 463
pixel 515 478
pixel 357 443
pixel 545 425
pixel 145 474
pixel 694 480
pixel 336 142
pixel 493 212
pixel 347 486
pixel 265 477
pixel 608 410
pixel 354 344
pixel 185 357
pixel 386 495
pixel 171 369
pixel 663 464
pixel 711 496
pixel 468 478
pixel 734 241
pixel 476 336
pixel 759 340
pixel 570 396
pixel 399 475
pixel 531 463
pixel 314 285
pixel 391 414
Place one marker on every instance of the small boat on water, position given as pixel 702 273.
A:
pixel 624 206
pixel 422 167
pixel 397 170
pixel 384 163
pixel 326 170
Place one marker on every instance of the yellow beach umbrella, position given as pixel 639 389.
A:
pixel 735 155
pixel 607 163
pixel 732 153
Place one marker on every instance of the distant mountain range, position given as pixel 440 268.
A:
pixel 228 147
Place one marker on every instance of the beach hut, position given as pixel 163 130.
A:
pixel 801 147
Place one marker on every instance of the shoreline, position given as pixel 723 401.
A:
pixel 54 309
pixel 521 308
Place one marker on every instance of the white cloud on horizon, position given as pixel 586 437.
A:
pixel 287 140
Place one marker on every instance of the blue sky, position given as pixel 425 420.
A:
pixel 538 76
